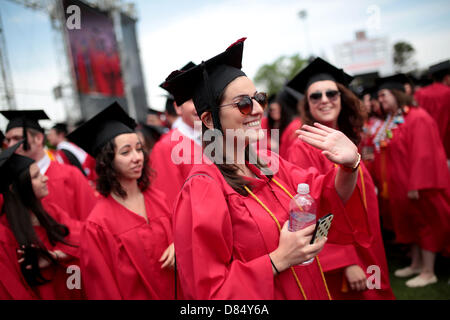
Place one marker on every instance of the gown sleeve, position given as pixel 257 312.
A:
pixel 204 248
pixel 74 226
pixel 167 177
pixel 12 284
pixel 84 196
pixel 97 263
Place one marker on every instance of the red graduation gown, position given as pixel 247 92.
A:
pixel 222 239
pixel 57 288
pixel 70 190
pixel 288 137
pixel 354 238
pixel 416 160
pixel 120 251
pixel 169 177
pixel 435 99
pixel 12 284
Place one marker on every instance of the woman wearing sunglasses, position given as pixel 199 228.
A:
pixel 230 219
pixel 45 237
pixel 417 180
pixel 355 241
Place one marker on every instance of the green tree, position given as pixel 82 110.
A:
pixel 273 76
pixel 403 54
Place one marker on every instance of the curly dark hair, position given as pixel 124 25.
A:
pixel 107 181
pixel 350 119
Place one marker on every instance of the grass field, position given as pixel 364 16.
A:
pixel 397 257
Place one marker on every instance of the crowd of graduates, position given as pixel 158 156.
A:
pixel 147 211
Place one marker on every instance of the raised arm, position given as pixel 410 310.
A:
pixel 338 149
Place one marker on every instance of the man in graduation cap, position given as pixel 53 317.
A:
pixel 69 153
pixel 174 155
pixel 435 99
pixel 67 186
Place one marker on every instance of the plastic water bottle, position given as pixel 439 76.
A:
pixel 302 211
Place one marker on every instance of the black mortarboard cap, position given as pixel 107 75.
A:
pixel 318 70
pixel 11 165
pixel 441 66
pixel 103 127
pixel 170 99
pixel 29 118
pixel 439 70
pixel 2 137
pixel 24 119
pixel 186 67
pixel 395 81
pixel 205 82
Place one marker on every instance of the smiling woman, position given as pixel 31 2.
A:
pixel 229 217
pixel 355 241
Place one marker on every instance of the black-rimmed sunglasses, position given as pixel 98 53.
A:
pixel 331 94
pixel 245 105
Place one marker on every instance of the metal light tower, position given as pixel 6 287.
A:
pixel 6 85
pixel 303 15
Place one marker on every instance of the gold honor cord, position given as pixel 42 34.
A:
pixel 279 229
pixel 363 188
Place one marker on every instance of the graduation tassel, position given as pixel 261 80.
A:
pixel 214 107
pixel 26 145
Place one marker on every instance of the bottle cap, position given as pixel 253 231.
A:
pixel 303 188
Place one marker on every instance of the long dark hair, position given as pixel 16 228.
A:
pixel 230 171
pixel 107 180
pixel 19 201
pixel 350 120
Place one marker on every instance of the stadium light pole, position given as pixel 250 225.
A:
pixel 303 15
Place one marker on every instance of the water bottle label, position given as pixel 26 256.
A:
pixel 299 220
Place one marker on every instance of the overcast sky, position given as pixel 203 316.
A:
pixel 173 32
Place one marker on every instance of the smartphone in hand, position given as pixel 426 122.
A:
pixel 322 227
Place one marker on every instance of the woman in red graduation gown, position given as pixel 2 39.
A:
pixel 12 283
pixel 418 182
pixel 127 250
pixel 44 236
pixel 355 241
pixel 230 219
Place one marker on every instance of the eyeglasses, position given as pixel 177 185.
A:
pixel 245 105
pixel 331 94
